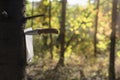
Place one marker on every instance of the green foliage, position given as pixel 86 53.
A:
pixel 79 24
pixel 79 27
pixel 80 21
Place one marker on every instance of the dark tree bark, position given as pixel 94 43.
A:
pixel 113 41
pixel 62 33
pixel 51 39
pixel 12 46
pixel 96 26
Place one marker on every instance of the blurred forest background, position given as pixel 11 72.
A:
pixel 81 50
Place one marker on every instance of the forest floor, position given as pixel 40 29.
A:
pixel 74 69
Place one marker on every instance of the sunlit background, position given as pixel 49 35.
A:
pixel 71 2
pixel 87 39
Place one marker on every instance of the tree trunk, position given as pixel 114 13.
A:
pixel 62 33
pixel 51 39
pixel 112 44
pixel 12 47
pixel 96 26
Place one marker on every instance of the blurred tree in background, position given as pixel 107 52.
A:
pixel 80 41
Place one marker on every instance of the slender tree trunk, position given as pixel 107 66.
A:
pixel 96 26
pixel 62 34
pixel 12 47
pixel 112 44
pixel 51 39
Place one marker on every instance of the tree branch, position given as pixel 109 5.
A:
pixel 35 16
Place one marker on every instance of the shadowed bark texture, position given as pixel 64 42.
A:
pixel 12 48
